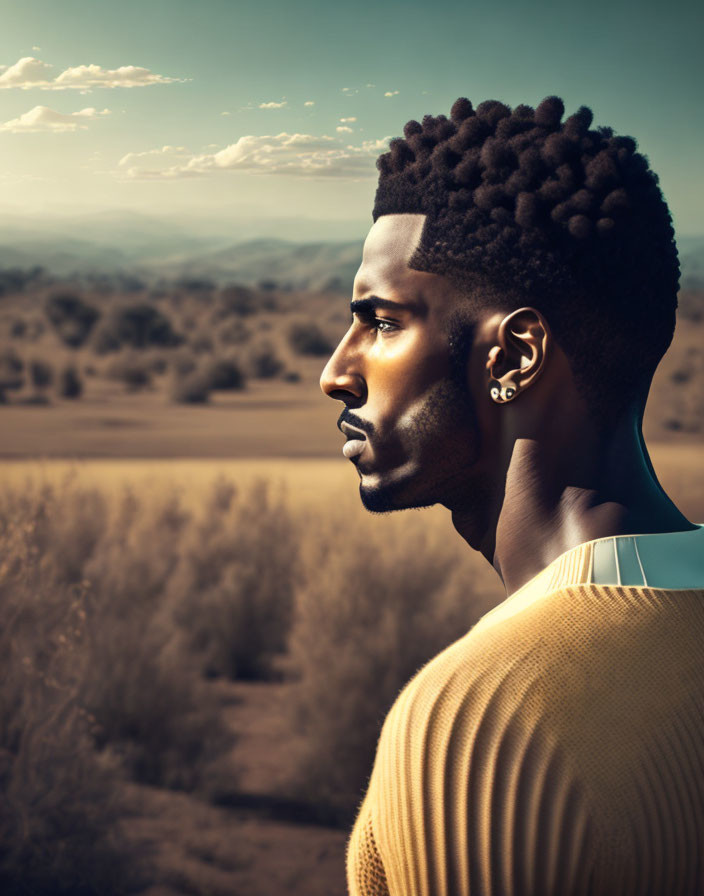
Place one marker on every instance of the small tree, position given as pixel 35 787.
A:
pixel 71 317
pixel 70 383
pixel 306 338
pixel 11 370
pixel 41 373
pixel 193 388
pixel 264 363
pixel 225 373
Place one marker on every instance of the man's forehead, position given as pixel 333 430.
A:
pixel 395 235
pixel 388 248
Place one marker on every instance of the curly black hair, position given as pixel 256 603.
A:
pixel 525 209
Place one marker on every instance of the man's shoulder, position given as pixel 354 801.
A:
pixel 563 661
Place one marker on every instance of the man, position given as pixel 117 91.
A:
pixel 517 290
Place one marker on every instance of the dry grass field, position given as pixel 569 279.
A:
pixel 201 629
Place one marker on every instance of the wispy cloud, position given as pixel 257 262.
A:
pixel 273 105
pixel 167 150
pixel 297 155
pixel 42 118
pixel 309 103
pixel 391 93
pixel 349 91
pixel 346 120
pixel 343 129
pixel 28 73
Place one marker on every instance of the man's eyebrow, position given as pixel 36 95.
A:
pixel 364 306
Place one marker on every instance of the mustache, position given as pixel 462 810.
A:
pixel 348 417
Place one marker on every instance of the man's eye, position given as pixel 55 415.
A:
pixel 384 326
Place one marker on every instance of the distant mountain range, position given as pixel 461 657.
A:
pixel 150 247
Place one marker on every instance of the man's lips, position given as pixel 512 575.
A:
pixel 351 431
pixel 356 440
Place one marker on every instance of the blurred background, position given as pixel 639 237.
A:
pixel 201 630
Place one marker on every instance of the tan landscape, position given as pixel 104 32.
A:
pixel 202 629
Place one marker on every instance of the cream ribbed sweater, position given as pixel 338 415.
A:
pixel 558 747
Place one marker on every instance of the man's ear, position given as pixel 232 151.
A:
pixel 518 356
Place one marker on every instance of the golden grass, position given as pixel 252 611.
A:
pixel 125 585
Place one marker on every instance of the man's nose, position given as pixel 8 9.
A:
pixel 341 379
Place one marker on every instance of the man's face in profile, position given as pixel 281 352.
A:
pixel 404 387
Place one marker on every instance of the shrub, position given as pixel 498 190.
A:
pixel 308 339
pixel 237 575
pixel 237 300
pixel 233 332
pixel 225 373
pixel 183 362
pixel 61 807
pixel 367 618
pixel 71 317
pixel 41 373
pixel 18 328
pixel 131 673
pixel 138 326
pixel 131 370
pixel 11 370
pixel 263 361
pixel 193 388
pixel 69 384
pixel 201 343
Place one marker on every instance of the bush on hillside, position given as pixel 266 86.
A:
pixel 308 339
pixel 132 370
pixel 236 300
pixel 263 361
pixel 71 317
pixel 41 373
pixel 233 332
pixel 11 370
pixel 138 325
pixel 225 373
pixel 69 383
pixel 190 388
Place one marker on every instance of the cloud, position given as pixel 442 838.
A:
pixel 349 91
pixel 343 129
pixel 309 103
pixel 296 155
pixel 391 93
pixel 169 150
pixel 273 105
pixel 346 120
pixel 29 72
pixel 37 49
pixel 226 113
pixel 42 118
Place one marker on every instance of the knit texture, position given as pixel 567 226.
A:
pixel 557 748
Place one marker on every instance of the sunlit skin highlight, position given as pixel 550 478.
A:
pixel 525 480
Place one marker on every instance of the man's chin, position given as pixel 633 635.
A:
pixel 386 498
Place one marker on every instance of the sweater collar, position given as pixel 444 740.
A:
pixel 668 560
pixel 652 560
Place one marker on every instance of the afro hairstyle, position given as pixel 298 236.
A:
pixel 524 208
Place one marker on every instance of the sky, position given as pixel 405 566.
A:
pixel 236 110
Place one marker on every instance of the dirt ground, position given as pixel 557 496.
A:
pixel 251 846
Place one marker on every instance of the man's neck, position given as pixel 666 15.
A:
pixel 554 499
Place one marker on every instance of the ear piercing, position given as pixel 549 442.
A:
pixel 502 392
